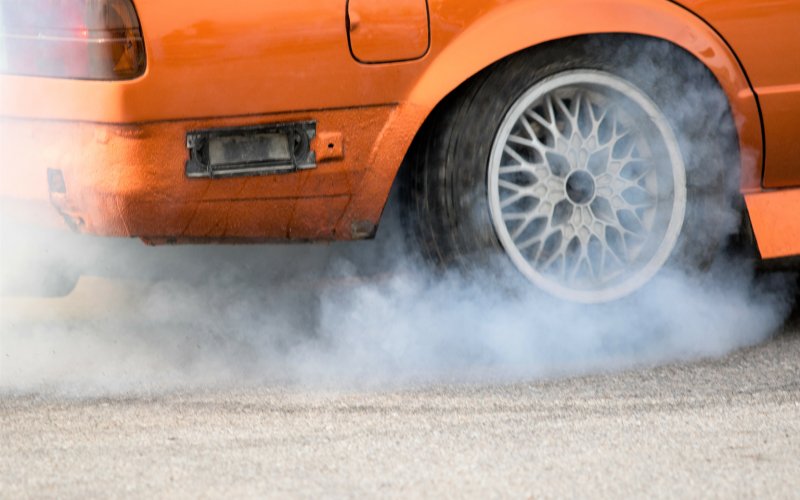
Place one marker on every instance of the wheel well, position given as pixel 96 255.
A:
pixel 624 44
pixel 619 39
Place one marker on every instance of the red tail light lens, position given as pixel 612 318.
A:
pixel 80 39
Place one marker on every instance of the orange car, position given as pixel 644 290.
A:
pixel 590 143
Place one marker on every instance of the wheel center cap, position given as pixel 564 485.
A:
pixel 580 187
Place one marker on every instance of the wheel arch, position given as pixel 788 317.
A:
pixel 527 24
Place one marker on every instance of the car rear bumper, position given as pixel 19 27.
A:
pixel 129 180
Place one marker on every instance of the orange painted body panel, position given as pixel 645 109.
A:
pixel 765 34
pixel 781 108
pixel 207 59
pixel 244 62
pixel 128 180
pixel 388 30
pixel 777 234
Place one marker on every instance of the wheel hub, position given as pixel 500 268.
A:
pixel 580 187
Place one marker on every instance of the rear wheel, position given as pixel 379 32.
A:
pixel 587 166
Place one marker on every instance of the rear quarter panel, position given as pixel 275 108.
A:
pixel 764 34
pixel 268 60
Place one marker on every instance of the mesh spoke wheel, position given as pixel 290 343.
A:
pixel 586 186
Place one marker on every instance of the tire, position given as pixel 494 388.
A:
pixel 587 165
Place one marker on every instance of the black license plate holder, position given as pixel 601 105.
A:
pixel 275 148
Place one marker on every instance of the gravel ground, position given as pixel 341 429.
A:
pixel 716 428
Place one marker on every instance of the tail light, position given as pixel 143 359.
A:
pixel 79 39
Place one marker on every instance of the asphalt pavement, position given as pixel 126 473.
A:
pixel 715 428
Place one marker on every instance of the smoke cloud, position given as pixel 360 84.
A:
pixel 224 317
pixel 352 316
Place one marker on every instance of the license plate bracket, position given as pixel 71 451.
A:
pixel 275 148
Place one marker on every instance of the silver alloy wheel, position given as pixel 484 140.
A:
pixel 587 186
